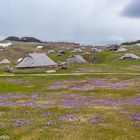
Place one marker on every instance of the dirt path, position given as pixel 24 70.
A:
pixel 66 74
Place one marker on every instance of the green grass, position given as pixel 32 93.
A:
pixel 100 62
pixel 113 124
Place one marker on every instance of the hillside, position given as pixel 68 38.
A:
pixel 23 39
pixel 89 100
pixel 131 42
pixel 104 61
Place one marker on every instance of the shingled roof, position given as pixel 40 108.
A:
pixel 34 60
pixel 5 61
pixel 76 59
pixel 130 56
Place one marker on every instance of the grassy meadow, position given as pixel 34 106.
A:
pixel 101 105
pixel 70 107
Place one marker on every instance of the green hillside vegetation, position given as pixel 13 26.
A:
pixel 99 62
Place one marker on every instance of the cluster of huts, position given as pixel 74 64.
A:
pixel 41 60
pixel 38 60
pixel 129 56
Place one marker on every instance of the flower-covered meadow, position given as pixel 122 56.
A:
pixel 70 108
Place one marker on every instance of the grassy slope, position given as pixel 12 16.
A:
pixel 103 62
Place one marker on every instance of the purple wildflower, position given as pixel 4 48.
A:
pixel 49 123
pixel 45 113
pixel 82 88
pixel 7 104
pixel 17 96
pixel 94 119
pixel 67 118
pixel 21 122
pixel 136 117
pixel 2 98
pixel 137 124
pixel 34 95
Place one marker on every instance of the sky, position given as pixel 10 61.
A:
pixel 84 21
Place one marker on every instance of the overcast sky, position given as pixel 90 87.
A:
pixel 84 21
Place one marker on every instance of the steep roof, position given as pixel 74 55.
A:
pixel 95 50
pixel 51 51
pixel 36 60
pixel 130 56
pixel 77 50
pixel 76 59
pixel 121 49
pixel 5 61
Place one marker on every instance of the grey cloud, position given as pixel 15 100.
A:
pixel 132 9
pixel 86 21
